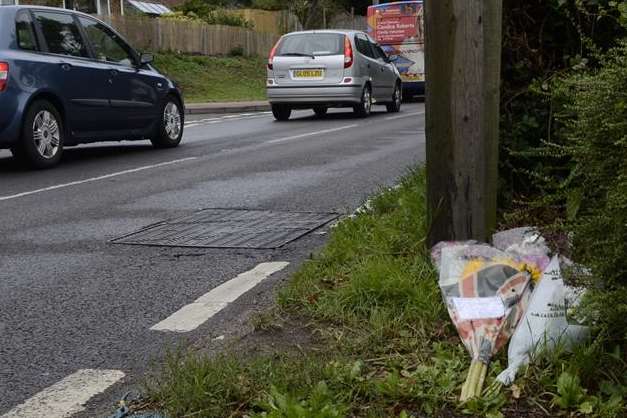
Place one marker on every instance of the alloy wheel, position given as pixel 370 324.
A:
pixel 367 101
pixel 46 134
pixel 397 97
pixel 172 120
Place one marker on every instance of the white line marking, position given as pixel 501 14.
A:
pixel 191 316
pixel 68 396
pixel 89 180
pixel 404 115
pixel 200 122
pixel 326 131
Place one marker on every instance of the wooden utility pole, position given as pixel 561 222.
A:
pixel 463 62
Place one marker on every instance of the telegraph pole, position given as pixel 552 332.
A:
pixel 463 57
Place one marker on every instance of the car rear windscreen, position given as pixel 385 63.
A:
pixel 312 44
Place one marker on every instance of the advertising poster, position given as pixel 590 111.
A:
pixel 399 29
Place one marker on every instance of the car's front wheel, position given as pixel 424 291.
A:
pixel 170 130
pixel 395 105
pixel 41 143
pixel 281 112
pixel 364 107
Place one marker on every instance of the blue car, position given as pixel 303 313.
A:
pixel 68 79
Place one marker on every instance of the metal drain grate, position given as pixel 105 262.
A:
pixel 229 228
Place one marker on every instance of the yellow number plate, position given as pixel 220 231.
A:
pixel 307 73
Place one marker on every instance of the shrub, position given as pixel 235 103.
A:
pixel 212 13
pixel 543 39
pixel 587 180
pixel 237 51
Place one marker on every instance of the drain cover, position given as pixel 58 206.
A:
pixel 229 228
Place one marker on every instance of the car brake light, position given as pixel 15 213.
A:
pixel 348 52
pixel 4 75
pixel 272 52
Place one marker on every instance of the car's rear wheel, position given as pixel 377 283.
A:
pixel 320 111
pixel 364 108
pixel 41 143
pixel 170 130
pixel 281 112
pixel 395 105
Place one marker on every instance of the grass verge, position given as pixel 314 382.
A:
pixel 383 343
pixel 215 79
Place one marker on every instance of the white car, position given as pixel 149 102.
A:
pixel 331 68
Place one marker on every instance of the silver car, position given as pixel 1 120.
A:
pixel 330 68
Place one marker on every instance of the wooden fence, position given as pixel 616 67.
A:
pixel 190 37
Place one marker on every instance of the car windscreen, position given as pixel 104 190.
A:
pixel 317 44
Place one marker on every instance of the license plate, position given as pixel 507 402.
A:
pixel 308 73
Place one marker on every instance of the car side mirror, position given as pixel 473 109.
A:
pixel 146 58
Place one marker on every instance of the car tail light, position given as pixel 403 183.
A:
pixel 272 52
pixel 348 52
pixel 4 75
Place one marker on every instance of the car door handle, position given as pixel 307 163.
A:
pixel 114 73
pixel 65 66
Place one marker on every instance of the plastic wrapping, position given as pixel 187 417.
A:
pixel 545 323
pixel 526 245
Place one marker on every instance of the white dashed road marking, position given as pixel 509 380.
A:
pixel 326 131
pixel 227 118
pixel 68 396
pixel 92 179
pixel 191 316
pixel 404 115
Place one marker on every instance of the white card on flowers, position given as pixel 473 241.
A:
pixel 479 308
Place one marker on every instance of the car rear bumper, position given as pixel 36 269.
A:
pixel 413 88
pixel 301 95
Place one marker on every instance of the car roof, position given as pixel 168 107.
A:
pixel 336 31
pixel 9 12
pixel 16 8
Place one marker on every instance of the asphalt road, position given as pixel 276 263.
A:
pixel 70 300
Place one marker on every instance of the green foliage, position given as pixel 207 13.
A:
pixel 590 379
pixel 487 406
pixel 570 394
pixel 210 12
pixel 584 177
pixel 236 51
pixel 269 4
pixel 564 142
pixel 543 39
pixel 360 6
pixel 318 404
pixel 215 79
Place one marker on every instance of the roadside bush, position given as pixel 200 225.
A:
pixel 270 4
pixel 210 13
pixel 544 39
pixel 236 51
pixel 584 177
